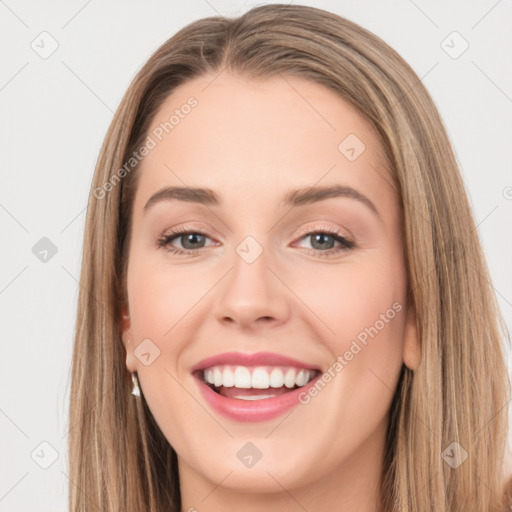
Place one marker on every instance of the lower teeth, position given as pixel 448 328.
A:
pixel 248 397
pixel 254 396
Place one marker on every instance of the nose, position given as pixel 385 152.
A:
pixel 252 294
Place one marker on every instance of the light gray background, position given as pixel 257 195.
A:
pixel 55 112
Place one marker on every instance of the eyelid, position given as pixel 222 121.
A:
pixel 342 236
pixel 323 227
pixel 303 231
pixel 188 228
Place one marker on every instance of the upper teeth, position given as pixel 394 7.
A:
pixel 262 377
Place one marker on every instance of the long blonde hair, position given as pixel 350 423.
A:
pixel 119 459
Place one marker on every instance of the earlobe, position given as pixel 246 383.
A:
pixel 127 338
pixel 412 346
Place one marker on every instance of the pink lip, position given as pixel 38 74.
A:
pixel 252 410
pixel 258 359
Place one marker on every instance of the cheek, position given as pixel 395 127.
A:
pixel 362 309
pixel 160 298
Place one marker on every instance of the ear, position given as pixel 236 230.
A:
pixel 127 336
pixel 412 348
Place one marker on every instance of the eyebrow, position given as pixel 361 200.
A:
pixel 299 197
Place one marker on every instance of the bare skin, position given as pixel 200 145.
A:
pixel 252 142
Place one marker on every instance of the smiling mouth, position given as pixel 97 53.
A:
pixel 255 383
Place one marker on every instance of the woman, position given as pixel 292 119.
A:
pixel 253 371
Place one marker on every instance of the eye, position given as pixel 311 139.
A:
pixel 191 240
pixel 323 240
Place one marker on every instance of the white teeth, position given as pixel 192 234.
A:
pixel 242 378
pixel 276 378
pixel 253 397
pixel 289 378
pixel 217 377
pixel 262 377
pixel 301 378
pixel 228 379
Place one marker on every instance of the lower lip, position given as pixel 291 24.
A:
pixel 253 410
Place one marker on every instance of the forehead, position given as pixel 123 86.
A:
pixel 236 134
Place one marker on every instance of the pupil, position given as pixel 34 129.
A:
pixel 191 238
pixel 320 236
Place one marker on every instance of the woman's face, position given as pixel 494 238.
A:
pixel 271 264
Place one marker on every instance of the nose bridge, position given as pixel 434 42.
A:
pixel 251 290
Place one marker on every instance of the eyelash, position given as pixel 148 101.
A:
pixel 165 241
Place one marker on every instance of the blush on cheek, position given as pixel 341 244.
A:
pixel 367 319
pixel 159 298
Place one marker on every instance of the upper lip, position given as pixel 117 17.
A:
pixel 256 359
